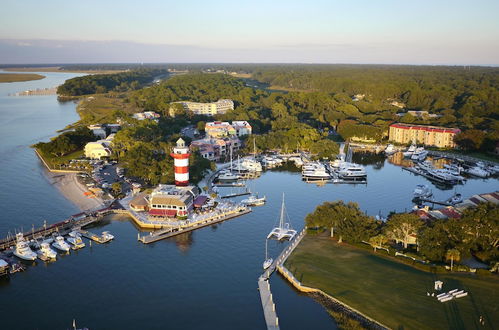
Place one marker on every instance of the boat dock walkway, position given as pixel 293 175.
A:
pixel 236 194
pixel 268 305
pixel 75 222
pixel 428 200
pixel 173 231
pixel 429 177
pixel 93 237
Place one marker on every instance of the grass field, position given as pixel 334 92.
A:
pixel 53 162
pixel 100 108
pixel 16 77
pixel 391 292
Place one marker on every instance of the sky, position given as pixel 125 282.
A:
pixel 273 31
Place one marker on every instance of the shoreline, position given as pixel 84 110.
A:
pixel 73 191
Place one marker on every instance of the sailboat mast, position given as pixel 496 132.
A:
pixel 281 221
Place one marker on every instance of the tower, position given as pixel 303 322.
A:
pixel 181 162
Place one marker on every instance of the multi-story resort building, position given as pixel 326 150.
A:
pixel 208 109
pixel 216 148
pixel 440 137
pixel 219 129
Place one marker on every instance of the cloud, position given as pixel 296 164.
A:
pixel 15 51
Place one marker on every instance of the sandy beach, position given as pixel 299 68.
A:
pixel 74 191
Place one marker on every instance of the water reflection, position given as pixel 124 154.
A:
pixel 377 160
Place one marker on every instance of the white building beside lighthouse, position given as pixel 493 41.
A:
pixel 181 162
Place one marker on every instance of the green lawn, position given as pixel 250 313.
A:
pixel 53 162
pixel 391 292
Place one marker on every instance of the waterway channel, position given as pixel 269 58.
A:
pixel 204 279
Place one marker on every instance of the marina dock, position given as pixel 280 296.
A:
pixel 75 222
pixel 173 231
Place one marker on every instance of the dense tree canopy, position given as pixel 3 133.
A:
pixel 66 142
pixel 103 83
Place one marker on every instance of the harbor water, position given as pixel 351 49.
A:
pixel 198 280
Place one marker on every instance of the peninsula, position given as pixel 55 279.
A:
pixel 17 77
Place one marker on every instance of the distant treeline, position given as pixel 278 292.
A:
pixel 103 83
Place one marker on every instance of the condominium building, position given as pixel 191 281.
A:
pixel 217 129
pixel 208 109
pixel 441 137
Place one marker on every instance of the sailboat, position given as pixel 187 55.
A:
pixel 228 175
pixel 284 231
pixel 268 261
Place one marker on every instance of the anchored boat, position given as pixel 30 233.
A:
pixel 75 240
pixel 45 252
pixel 284 231
pixel 22 249
pixel 60 244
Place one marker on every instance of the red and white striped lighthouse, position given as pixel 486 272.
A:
pixel 181 155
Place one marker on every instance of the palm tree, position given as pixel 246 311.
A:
pixel 453 255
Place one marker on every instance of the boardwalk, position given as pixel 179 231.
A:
pixel 268 305
pixel 173 231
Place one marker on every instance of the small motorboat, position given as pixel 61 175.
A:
pixel 268 260
pixel 455 199
pixel 106 236
pixel 22 249
pixel 267 263
pixel 422 191
pixel 254 200
pixel 60 244
pixel 45 252
pixel 75 240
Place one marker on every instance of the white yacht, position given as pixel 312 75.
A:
pixel 45 252
pixel 317 172
pixel 425 166
pixel 60 244
pixel 390 150
pixel 250 165
pixel 254 200
pixel 227 175
pixel 75 240
pixel 419 154
pixel 284 231
pixel 352 171
pixel 453 175
pixel 478 171
pixel 454 169
pixel 422 191
pixel 22 249
pixel 410 151
pixel 442 176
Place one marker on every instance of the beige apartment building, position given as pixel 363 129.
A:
pixel 435 136
pixel 208 109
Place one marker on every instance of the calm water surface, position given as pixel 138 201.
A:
pixel 204 279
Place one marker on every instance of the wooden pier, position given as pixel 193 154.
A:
pixel 236 194
pixel 173 231
pixel 269 312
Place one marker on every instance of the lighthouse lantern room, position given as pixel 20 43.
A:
pixel 181 162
